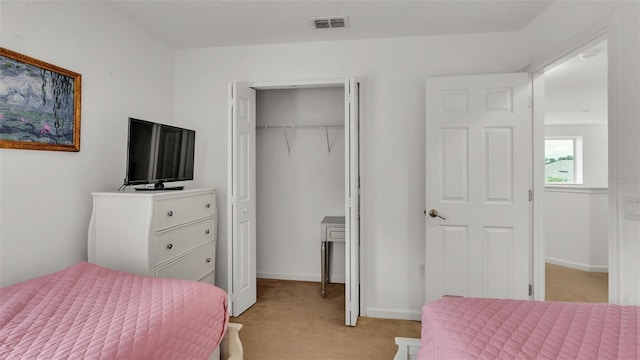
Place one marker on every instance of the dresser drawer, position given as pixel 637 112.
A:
pixel 172 212
pixel 179 241
pixel 335 234
pixel 209 279
pixel 191 267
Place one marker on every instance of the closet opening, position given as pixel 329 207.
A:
pixel 300 167
pixel 294 191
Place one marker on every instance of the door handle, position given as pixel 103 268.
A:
pixel 434 213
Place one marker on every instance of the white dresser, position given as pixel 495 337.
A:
pixel 163 234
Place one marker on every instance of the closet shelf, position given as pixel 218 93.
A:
pixel 293 126
pixel 285 127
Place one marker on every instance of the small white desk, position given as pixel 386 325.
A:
pixel 331 230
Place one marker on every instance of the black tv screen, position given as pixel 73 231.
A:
pixel 159 153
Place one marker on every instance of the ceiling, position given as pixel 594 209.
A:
pixel 209 23
pixel 575 90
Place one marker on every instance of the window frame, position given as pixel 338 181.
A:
pixel 577 160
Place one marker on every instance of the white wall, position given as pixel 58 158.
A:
pixel 576 228
pixel 392 134
pixel 549 35
pixel 295 191
pixel 567 209
pixel 45 198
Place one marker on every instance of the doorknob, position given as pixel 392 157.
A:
pixel 434 213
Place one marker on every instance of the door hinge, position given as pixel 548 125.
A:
pixel 530 195
pixel 530 290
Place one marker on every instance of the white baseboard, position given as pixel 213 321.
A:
pixel 569 264
pixel 396 314
pixel 297 277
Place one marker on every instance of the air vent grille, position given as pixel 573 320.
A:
pixel 321 24
pixel 334 22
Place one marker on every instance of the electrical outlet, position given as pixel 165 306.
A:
pixel 421 270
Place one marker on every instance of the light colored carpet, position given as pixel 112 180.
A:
pixel 566 284
pixel 292 321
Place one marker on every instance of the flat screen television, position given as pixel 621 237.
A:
pixel 158 153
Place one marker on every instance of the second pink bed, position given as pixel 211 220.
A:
pixel 474 328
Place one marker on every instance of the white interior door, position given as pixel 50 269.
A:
pixel 352 203
pixel 479 177
pixel 242 210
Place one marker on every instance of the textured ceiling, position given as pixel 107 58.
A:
pixel 194 24
pixel 576 90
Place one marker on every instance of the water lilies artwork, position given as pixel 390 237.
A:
pixel 39 104
pixel 46 129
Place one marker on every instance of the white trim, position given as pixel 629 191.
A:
pixel 290 84
pixel 610 31
pixel 576 189
pixel 396 314
pixel 615 159
pixel 572 48
pixel 577 266
pixel 297 277
pixel 361 163
pixel 229 287
pixel 538 245
pixel 293 84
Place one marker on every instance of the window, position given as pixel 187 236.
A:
pixel 563 160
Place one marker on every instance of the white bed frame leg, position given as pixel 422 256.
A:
pixel 407 348
pixel 231 346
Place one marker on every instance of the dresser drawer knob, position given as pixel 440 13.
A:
pixel 169 246
pixel 207 231
pixel 208 260
pixel 170 213
pixel 208 206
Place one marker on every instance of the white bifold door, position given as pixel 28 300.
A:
pixel 478 186
pixel 352 201
pixel 242 199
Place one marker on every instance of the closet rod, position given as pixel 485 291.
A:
pixel 292 126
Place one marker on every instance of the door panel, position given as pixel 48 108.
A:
pixel 454 164
pixel 479 163
pixel 352 203
pixel 242 255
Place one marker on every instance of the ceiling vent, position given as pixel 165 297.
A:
pixel 333 22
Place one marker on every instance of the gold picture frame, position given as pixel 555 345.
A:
pixel 39 104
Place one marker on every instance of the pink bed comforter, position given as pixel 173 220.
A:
pixel 472 328
pixel 90 312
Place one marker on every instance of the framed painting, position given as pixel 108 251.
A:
pixel 39 104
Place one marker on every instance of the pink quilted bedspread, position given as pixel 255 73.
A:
pixel 471 328
pixel 90 312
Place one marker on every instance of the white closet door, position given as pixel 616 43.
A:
pixel 479 165
pixel 242 214
pixel 352 203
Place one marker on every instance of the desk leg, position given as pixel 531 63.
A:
pixel 323 268
pixel 328 259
